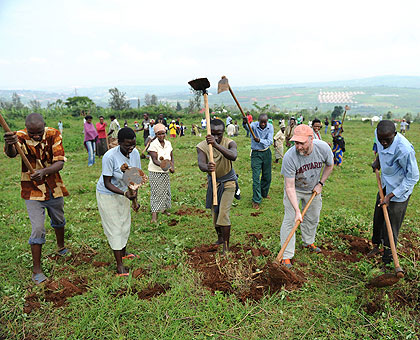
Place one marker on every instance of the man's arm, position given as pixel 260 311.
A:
pixel 411 177
pixel 325 174
pixel 231 153
pixel 203 165
pixel 266 142
pixel 10 139
pixel 289 183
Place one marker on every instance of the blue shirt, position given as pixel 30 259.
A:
pixel 399 168
pixel 265 136
pixel 111 166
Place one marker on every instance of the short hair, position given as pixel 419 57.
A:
pixel 88 117
pixel 102 117
pixel 34 118
pixel 126 133
pixel 217 122
pixel 316 120
pixel 112 117
pixel 385 126
pixel 262 115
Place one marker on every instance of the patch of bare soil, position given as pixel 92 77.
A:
pixel 57 292
pixel 358 246
pixel 237 272
pixel 172 222
pixel 256 213
pixel 190 211
pixel 146 293
pixel 82 256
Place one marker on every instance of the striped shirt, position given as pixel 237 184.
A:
pixel 42 154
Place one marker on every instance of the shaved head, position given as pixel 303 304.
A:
pixel 34 119
pixel 385 127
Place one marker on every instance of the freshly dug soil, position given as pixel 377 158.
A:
pixel 147 293
pixel 190 211
pixel 358 246
pixel 57 292
pixel 237 272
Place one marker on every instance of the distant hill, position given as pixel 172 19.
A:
pixel 367 96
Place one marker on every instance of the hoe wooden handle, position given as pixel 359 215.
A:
pixel 292 232
pixel 17 146
pixel 211 159
pixel 398 269
pixel 243 114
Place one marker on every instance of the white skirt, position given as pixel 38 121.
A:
pixel 115 211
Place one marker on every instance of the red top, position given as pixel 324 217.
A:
pixel 249 119
pixel 101 129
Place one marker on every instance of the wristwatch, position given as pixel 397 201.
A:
pixel 321 183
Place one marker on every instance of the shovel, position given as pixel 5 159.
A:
pixel 387 279
pixel 222 86
pixel 202 84
pixel 133 177
pixel 17 146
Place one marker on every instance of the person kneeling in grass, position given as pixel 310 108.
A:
pixel 113 196
pixel 44 189
pixel 224 153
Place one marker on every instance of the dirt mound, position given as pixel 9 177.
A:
pixel 139 272
pixel 172 222
pixel 100 264
pixel 357 245
pixel 57 292
pixel 82 256
pixel 190 211
pixel 145 294
pixel 237 273
pixel 256 213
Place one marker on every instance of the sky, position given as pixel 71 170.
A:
pixel 83 43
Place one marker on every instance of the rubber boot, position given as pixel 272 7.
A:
pixel 219 235
pixel 226 237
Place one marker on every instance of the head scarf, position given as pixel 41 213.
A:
pixel 159 127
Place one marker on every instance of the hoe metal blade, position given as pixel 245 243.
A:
pixel 200 84
pixel 223 85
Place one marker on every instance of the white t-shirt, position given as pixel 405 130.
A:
pixel 111 166
pixel 164 152
pixel 306 169
pixel 230 130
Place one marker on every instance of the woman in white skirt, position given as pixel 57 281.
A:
pixel 160 151
pixel 114 198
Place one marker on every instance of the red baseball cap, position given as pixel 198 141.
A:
pixel 301 133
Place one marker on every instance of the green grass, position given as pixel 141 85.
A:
pixel 330 305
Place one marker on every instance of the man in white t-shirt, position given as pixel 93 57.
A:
pixel 301 168
pixel 403 126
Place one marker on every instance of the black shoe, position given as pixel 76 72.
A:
pixel 375 251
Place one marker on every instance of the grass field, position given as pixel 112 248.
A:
pixel 165 297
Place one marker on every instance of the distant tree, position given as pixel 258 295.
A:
pixel 417 119
pixel 147 99
pixel 261 109
pixel 408 117
pixel 153 100
pixel 388 115
pixel 337 112
pixel 16 102
pixel 5 105
pixel 34 105
pixel 117 101
pixel 80 105
pixel 178 106
pixel 195 102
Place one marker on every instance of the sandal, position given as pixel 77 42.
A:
pixel 62 251
pixel 38 278
pixel 130 256
pixel 122 274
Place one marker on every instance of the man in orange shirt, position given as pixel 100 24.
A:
pixel 43 189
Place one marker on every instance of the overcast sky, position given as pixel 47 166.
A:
pixel 69 43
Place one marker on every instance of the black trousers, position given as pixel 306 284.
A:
pixel 396 212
